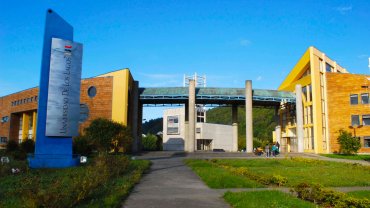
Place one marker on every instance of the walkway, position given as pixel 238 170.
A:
pixel 171 183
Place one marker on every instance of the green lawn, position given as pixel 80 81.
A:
pixel 265 199
pixel 216 177
pixel 349 157
pixel 360 194
pixel 296 170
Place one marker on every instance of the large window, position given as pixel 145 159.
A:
pixel 367 141
pixel 355 120
pixel 354 99
pixel 173 125
pixel 365 98
pixel 366 120
pixel 3 140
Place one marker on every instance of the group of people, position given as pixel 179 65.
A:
pixel 269 151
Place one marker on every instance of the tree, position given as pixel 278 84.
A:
pixel 107 135
pixel 348 144
pixel 149 142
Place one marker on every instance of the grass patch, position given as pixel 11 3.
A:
pixel 258 199
pixel 359 194
pixel 348 157
pixel 296 170
pixel 216 177
pixel 105 182
pixel 115 191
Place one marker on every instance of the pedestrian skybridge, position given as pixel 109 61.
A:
pixel 213 96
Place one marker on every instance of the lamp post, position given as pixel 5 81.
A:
pixel 354 127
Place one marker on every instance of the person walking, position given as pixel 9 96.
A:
pixel 274 150
pixel 267 150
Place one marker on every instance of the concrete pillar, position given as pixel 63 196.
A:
pixel 299 116
pixel 191 108
pixel 34 117
pixel 135 115
pixel 186 139
pixel 248 116
pixel 235 127
pixel 139 126
pixel 278 134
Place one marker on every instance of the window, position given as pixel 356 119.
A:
pixel 84 113
pixel 365 98
pixel 4 119
pixel 328 68
pixel 354 99
pixel 173 125
pixel 367 141
pixel 91 91
pixel 198 130
pixel 366 120
pixel 355 120
pixel 3 140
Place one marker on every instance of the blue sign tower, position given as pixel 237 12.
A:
pixel 52 151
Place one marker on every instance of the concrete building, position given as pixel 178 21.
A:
pixel 330 98
pixel 208 136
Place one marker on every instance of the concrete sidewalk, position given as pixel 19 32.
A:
pixel 171 183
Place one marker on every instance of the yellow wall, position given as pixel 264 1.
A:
pixel 25 125
pixel 122 81
pixel 311 59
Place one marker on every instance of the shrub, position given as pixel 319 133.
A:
pixel 107 135
pixel 348 144
pixel 326 197
pixel 66 189
pixel 149 142
pixel 82 145
pixel 28 146
pixel 12 145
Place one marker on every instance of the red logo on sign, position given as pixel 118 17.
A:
pixel 67 46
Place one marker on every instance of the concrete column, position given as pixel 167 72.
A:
pixel 139 126
pixel 191 108
pixel 299 116
pixel 278 134
pixel 186 139
pixel 135 115
pixel 248 116
pixel 235 127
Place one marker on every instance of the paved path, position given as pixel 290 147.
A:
pixel 171 183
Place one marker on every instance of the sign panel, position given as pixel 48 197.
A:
pixel 173 126
pixel 63 105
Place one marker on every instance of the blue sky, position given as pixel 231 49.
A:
pixel 160 41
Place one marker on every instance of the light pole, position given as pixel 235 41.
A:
pixel 354 127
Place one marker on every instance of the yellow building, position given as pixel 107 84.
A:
pixel 323 113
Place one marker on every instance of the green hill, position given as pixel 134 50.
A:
pixel 263 123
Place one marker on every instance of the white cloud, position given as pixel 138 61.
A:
pixel 361 56
pixel 245 42
pixel 259 78
pixel 160 76
pixel 344 9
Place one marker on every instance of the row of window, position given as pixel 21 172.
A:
pixel 24 101
pixel 364 98
pixel 355 120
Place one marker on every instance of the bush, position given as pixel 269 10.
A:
pixel 28 146
pixel 328 198
pixel 82 145
pixel 66 189
pixel 348 144
pixel 149 142
pixel 107 135
pixel 12 145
